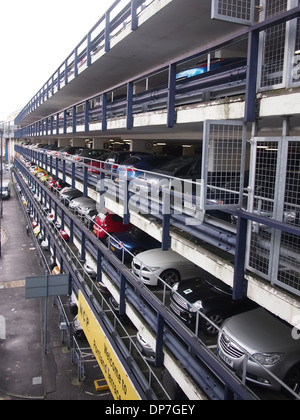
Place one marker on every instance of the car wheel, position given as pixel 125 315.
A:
pixel 293 379
pixel 217 318
pixel 170 277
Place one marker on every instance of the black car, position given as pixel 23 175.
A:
pixel 210 296
pixel 69 195
pixel 117 158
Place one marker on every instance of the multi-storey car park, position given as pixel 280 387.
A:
pixel 216 78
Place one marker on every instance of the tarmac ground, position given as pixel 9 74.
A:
pixel 26 372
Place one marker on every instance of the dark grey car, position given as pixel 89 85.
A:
pixel 269 341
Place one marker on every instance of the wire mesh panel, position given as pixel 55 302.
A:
pixel 275 193
pixel 280 48
pixel 296 58
pixel 223 163
pixel 289 255
pixel 262 203
pixel 236 11
pixel 273 45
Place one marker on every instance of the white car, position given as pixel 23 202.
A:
pixel 169 266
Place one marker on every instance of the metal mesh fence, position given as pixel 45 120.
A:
pixel 289 257
pixel 223 164
pixel 240 11
pixel 263 204
pixel 276 194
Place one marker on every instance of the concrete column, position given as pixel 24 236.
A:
pixel 78 142
pixel 141 146
pixel 101 144
pixel 63 142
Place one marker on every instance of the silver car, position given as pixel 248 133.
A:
pixel 270 343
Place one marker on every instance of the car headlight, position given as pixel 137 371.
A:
pixel 175 287
pixel 290 216
pixel 152 269
pixel 268 359
pixel 197 306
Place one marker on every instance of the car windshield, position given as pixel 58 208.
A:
pixel 132 161
pixel 218 286
pixel 178 164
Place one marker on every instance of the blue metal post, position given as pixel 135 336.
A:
pixel 129 105
pixel 99 266
pixel 73 174
pixel 171 95
pixel 107 31
pixel 122 310
pixel 88 50
pixel 65 122
pixel 74 119
pixel 134 18
pixel 57 123
pixel 251 86
pixel 85 181
pixel 82 256
pixel 166 222
pixel 240 283
pixel 86 116
pixel 76 62
pixel 104 112
pixel 159 354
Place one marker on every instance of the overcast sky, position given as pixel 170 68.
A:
pixel 36 36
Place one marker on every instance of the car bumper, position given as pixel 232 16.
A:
pixel 150 278
pixel 235 360
pixel 187 317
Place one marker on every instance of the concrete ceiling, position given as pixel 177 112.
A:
pixel 174 31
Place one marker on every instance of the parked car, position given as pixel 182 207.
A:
pixel 117 158
pixel 59 185
pixel 107 222
pixel 6 192
pixel 135 165
pixel 77 328
pixel 269 341
pixel 183 167
pixel 87 208
pixel 210 296
pixel 51 181
pixel 38 170
pixel 69 195
pixel 171 267
pixel 64 235
pixel 144 347
pixel 215 64
pixel 45 177
pixel 85 155
pixel 96 164
pixel 131 243
pixel 69 150
pixel 80 203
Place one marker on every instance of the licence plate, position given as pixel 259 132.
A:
pixel 225 359
pixel 174 309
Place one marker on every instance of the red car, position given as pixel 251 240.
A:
pixel 108 223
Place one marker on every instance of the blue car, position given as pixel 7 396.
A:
pixel 135 241
pixel 134 166
pixel 215 64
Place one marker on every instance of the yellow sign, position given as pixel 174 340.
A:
pixel 116 377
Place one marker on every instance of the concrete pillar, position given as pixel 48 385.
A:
pixel 101 144
pixel 141 146
pixel 78 142
pixel 63 142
